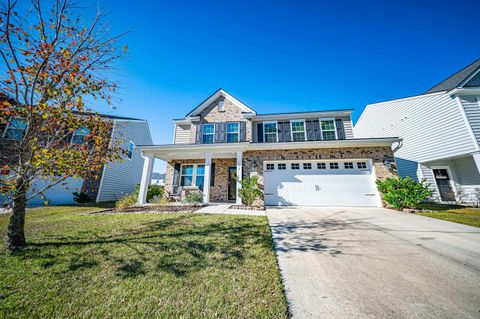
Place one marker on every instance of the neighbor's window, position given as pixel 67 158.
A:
pixel 131 147
pixel 15 129
pixel 192 175
pixel 348 165
pixel 270 167
pixel 298 130
pixel 295 166
pixel 80 135
pixel 208 131
pixel 282 166
pixel 361 165
pixel 321 166
pixel 333 165
pixel 307 165
pixel 329 131
pixel 270 132
pixel 233 132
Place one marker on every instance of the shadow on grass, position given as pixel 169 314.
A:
pixel 179 245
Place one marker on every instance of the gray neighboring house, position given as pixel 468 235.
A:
pixel 158 179
pixel 441 133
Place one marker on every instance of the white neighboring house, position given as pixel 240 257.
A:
pixel 441 133
pixel 116 179
pixel 158 179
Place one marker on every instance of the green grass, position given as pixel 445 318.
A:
pixel 456 214
pixel 140 266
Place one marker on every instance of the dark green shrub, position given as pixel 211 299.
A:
pixel 81 198
pixel 250 190
pixel 153 190
pixel 403 192
pixel 194 198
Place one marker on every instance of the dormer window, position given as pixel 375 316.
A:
pixel 221 106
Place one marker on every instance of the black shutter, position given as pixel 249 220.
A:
pixel 280 129
pixel 316 130
pixel 216 137
pixel 286 132
pixel 243 131
pixel 223 132
pixel 260 132
pixel 198 137
pixel 176 178
pixel 212 174
pixel 310 132
pixel 340 129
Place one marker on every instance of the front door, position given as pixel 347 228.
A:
pixel 444 186
pixel 232 183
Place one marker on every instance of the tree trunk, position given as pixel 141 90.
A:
pixel 16 232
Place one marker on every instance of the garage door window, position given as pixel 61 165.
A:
pixel 321 166
pixel 348 165
pixel 307 165
pixel 282 166
pixel 295 166
pixel 333 165
pixel 361 165
pixel 270 167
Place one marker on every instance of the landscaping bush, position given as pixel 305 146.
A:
pixel 194 198
pixel 126 201
pixel 81 198
pixel 250 190
pixel 153 190
pixel 403 192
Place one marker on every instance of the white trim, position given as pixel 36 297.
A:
pixel 471 76
pixel 213 133
pixel 304 129
pixel 226 131
pixel 467 123
pixel 334 127
pixel 465 91
pixel 216 95
pixel 303 115
pixel 194 175
pixel 450 180
pixel 276 130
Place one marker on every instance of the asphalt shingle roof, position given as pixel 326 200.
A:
pixel 456 79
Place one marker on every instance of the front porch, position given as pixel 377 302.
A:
pixel 216 172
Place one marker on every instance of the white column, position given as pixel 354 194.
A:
pixel 206 178
pixel 476 158
pixel 148 160
pixel 239 176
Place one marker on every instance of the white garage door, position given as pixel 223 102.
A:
pixel 320 183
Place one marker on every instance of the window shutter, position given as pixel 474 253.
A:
pixel 260 132
pixel 316 131
pixel 217 137
pixel 340 129
pixel 280 129
pixel 176 178
pixel 243 131
pixel 286 132
pixel 212 174
pixel 198 136
pixel 310 132
pixel 223 133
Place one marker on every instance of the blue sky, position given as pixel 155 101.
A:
pixel 283 56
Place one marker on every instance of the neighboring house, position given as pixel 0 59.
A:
pixel 301 158
pixel 112 182
pixel 158 179
pixel 441 132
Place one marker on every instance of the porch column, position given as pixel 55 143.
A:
pixel 206 178
pixel 476 158
pixel 239 176
pixel 146 175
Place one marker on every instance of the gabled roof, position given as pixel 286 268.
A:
pixel 216 95
pixel 456 80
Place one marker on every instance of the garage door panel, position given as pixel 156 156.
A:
pixel 313 187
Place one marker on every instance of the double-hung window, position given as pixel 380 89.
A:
pixel 80 135
pixel 15 129
pixel 233 132
pixel 298 130
pixel 270 132
pixel 208 131
pixel 192 175
pixel 131 148
pixel 329 130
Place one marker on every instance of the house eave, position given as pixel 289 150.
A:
pixel 299 115
pixel 464 91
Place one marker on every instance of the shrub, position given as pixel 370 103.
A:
pixel 126 201
pixel 153 190
pixel 160 200
pixel 194 198
pixel 403 192
pixel 81 198
pixel 249 191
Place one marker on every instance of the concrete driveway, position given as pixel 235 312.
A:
pixel 376 263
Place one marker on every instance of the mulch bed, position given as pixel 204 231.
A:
pixel 247 207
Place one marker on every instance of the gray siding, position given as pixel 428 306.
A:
pixel 472 110
pixel 182 134
pixel 119 179
pixel 432 126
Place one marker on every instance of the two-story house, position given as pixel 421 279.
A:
pixel 441 133
pixel 301 158
pixel 112 182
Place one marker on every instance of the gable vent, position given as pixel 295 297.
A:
pixel 221 106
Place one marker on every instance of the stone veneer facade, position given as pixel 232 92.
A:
pixel 253 164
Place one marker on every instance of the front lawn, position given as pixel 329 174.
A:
pixel 462 215
pixel 140 266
